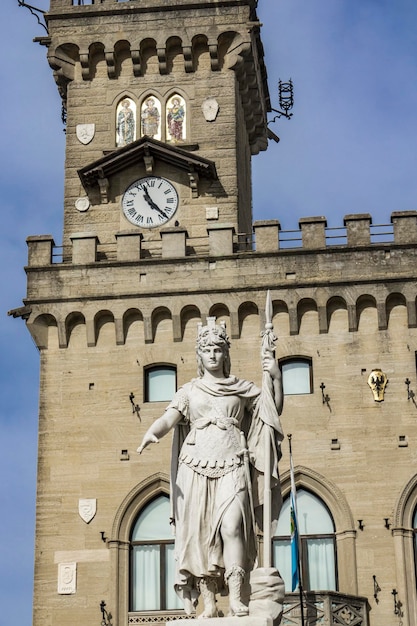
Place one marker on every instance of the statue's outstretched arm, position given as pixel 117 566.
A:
pixel 160 428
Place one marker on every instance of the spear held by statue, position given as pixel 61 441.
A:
pixel 273 435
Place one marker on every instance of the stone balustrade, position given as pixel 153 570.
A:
pixel 325 607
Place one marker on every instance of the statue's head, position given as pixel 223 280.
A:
pixel 213 335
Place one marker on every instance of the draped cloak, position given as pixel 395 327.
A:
pixel 212 466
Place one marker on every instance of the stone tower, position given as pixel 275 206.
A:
pixel 165 104
pixel 122 69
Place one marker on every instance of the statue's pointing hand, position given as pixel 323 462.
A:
pixel 147 440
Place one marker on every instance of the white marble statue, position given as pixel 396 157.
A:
pixel 218 468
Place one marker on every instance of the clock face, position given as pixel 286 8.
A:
pixel 150 202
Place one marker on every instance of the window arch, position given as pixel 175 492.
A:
pixel 297 375
pixel 160 383
pixel 176 122
pixel 125 121
pixel 152 559
pixel 415 537
pixel 405 545
pixel 317 539
pixel 150 117
pixel 334 502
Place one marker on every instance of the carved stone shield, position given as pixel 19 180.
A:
pixel 87 509
pixel 85 132
pixel 210 108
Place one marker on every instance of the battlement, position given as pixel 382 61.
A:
pixel 94 5
pixel 222 240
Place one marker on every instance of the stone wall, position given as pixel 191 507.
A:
pixel 349 308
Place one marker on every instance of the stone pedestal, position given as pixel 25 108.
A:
pixel 264 595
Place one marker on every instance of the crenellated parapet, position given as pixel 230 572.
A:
pixel 222 240
pixel 318 282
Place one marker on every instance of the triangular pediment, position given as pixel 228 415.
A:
pixel 145 151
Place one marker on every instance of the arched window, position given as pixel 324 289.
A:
pixel 160 383
pixel 176 119
pixel 297 376
pixel 152 560
pixel 318 547
pixel 125 122
pixel 415 539
pixel 150 117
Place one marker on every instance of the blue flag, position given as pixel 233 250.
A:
pixel 295 554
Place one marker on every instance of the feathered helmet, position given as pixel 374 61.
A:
pixel 213 334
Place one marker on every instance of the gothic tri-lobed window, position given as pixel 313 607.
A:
pixel 317 544
pixel 164 121
pixel 175 119
pixel 125 122
pixel 150 118
pixel 152 560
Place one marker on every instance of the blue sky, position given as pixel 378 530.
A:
pixel 349 148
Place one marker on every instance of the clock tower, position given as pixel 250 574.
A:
pixel 165 103
pixel 158 91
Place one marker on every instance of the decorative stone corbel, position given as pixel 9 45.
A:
pixel 104 187
pixel 111 64
pixel 214 57
pixel 194 178
pixel 62 83
pixel 85 65
pixel 136 61
pixel 162 60
pixel 188 59
pixel 149 163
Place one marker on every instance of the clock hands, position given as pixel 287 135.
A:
pixel 145 211
pixel 152 204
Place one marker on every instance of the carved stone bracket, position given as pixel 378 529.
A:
pixel 85 65
pixel 104 186
pixel 137 63
pixel 193 178
pixel 111 64
pixel 162 60
pixel 214 57
pixel 149 163
pixel 188 59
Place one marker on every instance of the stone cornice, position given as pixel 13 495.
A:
pixel 145 149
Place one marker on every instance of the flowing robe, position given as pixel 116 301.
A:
pixel 209 472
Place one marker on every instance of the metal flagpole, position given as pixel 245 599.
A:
pixel 295 537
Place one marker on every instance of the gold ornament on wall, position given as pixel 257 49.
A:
pixel 377 381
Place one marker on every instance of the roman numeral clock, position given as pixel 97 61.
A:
pixel 149 183
pixel 150 202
